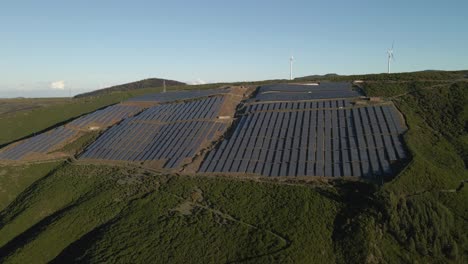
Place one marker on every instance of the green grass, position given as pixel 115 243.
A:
pixel 11 106
pixel 80 143
pixel 15 179
pixel 129 216
pixel 394 77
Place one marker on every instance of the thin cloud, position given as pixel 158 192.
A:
pixel 57 85
pixel 198 82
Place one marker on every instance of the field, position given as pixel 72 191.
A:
pixel 9 107
pixel 179 214
pixel 77 212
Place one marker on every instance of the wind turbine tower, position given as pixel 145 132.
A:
pixel 389 58
pixel 291 67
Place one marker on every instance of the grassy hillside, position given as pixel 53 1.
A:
pixel 393 77
pixel 15 179
pixel 104 216
pixel 423 210
pixel 13 105
pixel 89 213
pixel 138 85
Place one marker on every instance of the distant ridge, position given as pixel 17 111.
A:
pixel 146 83
pixel 401 76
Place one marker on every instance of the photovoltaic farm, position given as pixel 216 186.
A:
pixel 325 129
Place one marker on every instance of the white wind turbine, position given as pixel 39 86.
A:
pixel 389 58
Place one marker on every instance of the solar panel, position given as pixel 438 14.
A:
pixel 328 169
pixel 275 170
pixel 302 96
pixel 258 167
pixel 319 168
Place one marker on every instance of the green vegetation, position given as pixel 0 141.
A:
pixel 80 144
pixel 14 105
pixel 104 215
pixel 15 179
pixel 422 208
pixel 138 85
pixel 90 213
pixel 393 77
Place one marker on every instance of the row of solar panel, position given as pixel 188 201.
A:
pixel 325 143
pixel 107 116
pixel 359 120
pixel 378 157
pixel 200 109
pixel 164 132
pixel 355 169
pixel 298 137
pixel 41 143
pixel 178 95
pixel 328 104
pixel 296 96
pixel 323 86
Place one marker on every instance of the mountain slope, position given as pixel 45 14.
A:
pixel 384 77
pixel 143 84
pixel 89 213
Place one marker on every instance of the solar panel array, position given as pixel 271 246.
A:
pixel 170 133
pixel 200 109
pixel 323 86
pixel 297 92
pixel 328 104
pixel 41 143
pixel 107 116
pixel 51 140
pixel 308 139
pixel 178 95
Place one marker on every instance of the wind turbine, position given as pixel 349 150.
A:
pixel 291 67
pixel 389 58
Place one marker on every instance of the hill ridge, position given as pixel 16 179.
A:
pixel 141 84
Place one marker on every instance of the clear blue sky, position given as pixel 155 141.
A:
pixel 85 45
